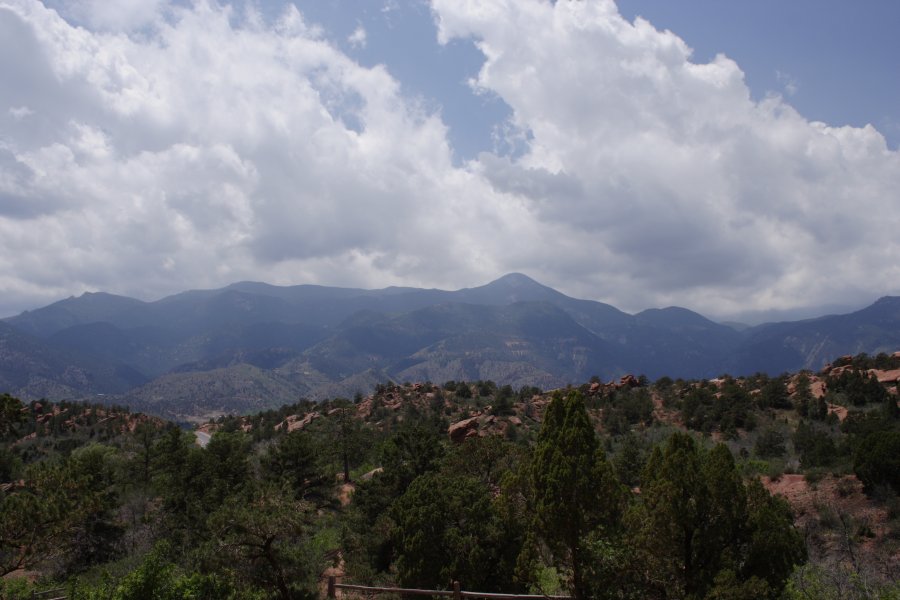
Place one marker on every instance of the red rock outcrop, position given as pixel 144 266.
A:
pixel 891 376
pixel 295 423
pixel 463 429
pixel 628 381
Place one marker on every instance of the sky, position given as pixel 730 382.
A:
pixel 737 159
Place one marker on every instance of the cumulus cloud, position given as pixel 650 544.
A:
pixel 688 190
pixel 216 147
pixel 191 146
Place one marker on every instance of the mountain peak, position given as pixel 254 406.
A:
pixel 515 280
pixel 512 287
pixel 885 307
pixel 887 301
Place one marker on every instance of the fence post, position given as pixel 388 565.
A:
pixel 331 593
pixel 457 594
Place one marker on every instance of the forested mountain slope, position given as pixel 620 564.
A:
pixel 318 341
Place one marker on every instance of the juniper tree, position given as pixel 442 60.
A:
pixel 575 490
pixel 700 532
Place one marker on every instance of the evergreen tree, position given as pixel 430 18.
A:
pixel 413 450
pixel 701 533
pixel 38 519
pixel 260 536
pixel 446 530
pixel 816 447
pixel 575 489
pixel 352 440
pixel 770 444
pixel 296 461
pixel 877 460
pixel 227 469
pixel 629 461
pixel 675 506
pixel 803 398
pixel 775 546
pixel 95 468
pixel 889 407
pixel 774 394
pixel 10 414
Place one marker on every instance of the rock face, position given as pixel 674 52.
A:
pixel 817 388
pixel 460 430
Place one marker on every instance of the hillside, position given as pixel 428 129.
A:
pixel 344 487
pixel 770 426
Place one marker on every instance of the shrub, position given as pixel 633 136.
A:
pixel 770 444
pixel 877 460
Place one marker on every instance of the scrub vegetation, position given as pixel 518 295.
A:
pixel 731 488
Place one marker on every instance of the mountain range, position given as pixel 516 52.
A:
pixel 251 346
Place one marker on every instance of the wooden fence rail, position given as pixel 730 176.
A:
pixel 456 593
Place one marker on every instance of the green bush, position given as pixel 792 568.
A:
pixel 14 588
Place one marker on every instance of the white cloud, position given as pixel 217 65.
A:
pixel 685 189
pixel 195 146
pixel 217 148
pixel 357 39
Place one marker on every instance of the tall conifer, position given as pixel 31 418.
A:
pixel 575 489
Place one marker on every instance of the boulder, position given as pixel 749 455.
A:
pixel 372 473
pixel 463 429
